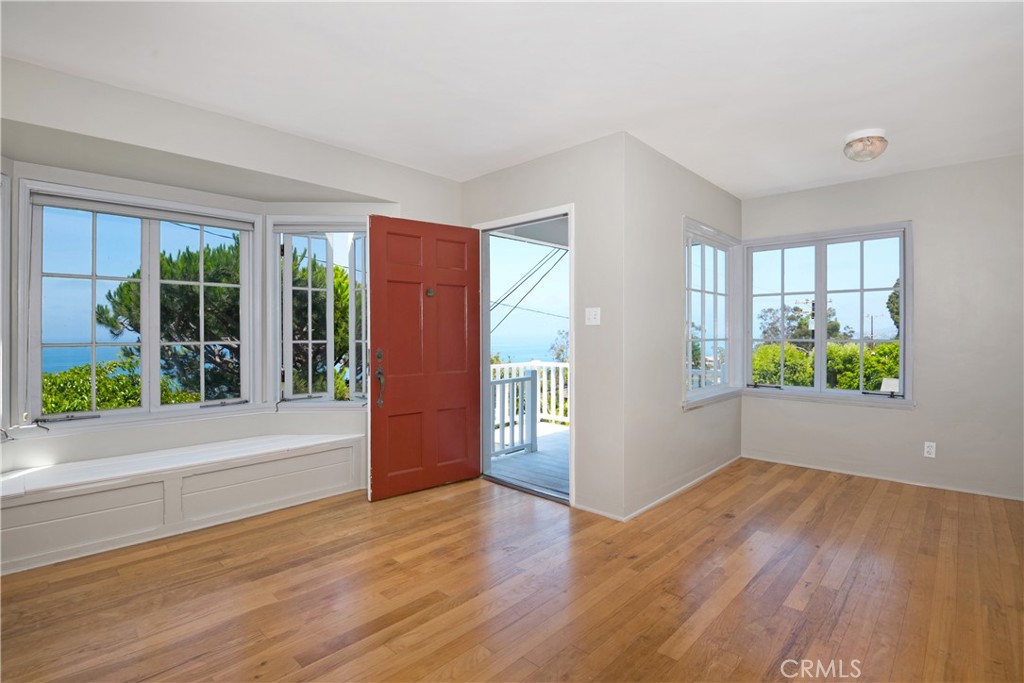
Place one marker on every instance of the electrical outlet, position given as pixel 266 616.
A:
pixel 929 449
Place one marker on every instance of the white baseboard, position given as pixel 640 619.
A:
pixel 839 470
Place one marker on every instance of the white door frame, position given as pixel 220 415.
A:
pixel 487 430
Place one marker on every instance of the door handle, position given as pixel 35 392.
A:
pixel 380 378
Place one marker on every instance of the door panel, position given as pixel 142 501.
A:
pixel 425 321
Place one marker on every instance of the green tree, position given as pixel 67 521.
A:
pixel 799 367
pixel 893 304
pixel 797 324
pixel 842 365
pixel 560 347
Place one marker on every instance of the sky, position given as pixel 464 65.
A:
pixel 527 334
pixel 881 259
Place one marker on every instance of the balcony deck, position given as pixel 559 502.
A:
pixel 546 469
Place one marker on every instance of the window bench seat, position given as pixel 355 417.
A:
pixel 72 509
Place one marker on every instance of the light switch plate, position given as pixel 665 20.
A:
pixel 592 316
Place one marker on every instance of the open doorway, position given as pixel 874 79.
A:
pixel 526 339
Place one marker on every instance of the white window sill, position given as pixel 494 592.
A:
pixel 701 399
pixel 833 398
pixel 178 416
pixel 321 406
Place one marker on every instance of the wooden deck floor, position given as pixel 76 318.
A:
pixel 756 565
pixel 547 468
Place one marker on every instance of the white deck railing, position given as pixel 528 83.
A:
pixel 552 386
pixel 513 400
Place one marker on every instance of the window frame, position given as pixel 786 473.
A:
pixel 694 230
pixel 32 196
pixel 820 241
pixel 276 226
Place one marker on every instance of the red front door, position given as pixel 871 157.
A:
pixel 424 355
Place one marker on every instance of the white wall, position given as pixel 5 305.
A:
pixel 968 356
pixel 589 176
pixel 665 448
pixel 42 97
pixel 633 443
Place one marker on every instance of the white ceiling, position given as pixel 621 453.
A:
pixel 754 97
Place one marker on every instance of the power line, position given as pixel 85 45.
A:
pixel 547 257
pixel 552 267
pixel 533 310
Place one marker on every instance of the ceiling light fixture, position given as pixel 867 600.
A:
pixel 865 145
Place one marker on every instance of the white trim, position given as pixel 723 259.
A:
pixel 718 395
pixel 853 473
pixel 6 301
pixel 838 233
pixel 836 396
pixel 567 210
pixel 137 201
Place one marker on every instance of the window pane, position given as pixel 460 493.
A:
pixel 179 312
pixel 765 363
pixel 712 363
pixel 358 328
pixel 300 314
pixel 319 262
pixel 300 368
pixel 722 362
pixel 320 365
pixel 767 271
pixel 179 251
pixel 800 269
pixel 881 310
pixel 118 246
pixel 118 379
pixel 223 368
pixel 222 313
pixel 696 315
pixel 709 268
pixel 722 314
pixel 709 316
pixel 767 322
pixel 67 241
pixel 844 316
pixel 300 261
pixel 881 263
pixel 118 311
pixel 67 379
pixel 843 366
pixel 799 324
pixel 721 271
pixel 843 269
pixel 356 370
pixel 696 273
pixel 221 255
pixel 179 374
pixel 799 370
pixel 696 357
pixel 67 310
pixel 319 315
pixel 881 361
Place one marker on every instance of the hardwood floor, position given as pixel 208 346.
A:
pixel 757 565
